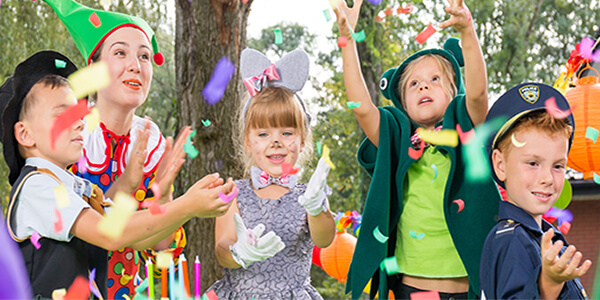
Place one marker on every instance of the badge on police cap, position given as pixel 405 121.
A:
pixel 530 93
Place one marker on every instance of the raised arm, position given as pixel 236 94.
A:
pixel 475 69
pixel 367 113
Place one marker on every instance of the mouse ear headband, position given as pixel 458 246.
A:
pixel 258 72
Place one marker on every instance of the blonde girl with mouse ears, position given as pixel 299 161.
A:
pixel 275 132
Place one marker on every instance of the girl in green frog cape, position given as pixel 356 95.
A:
pixel 421 210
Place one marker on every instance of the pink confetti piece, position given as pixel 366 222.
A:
pixel 586 48
pixel 415 154
pixel 228 198
pixel 154 207
pixel 460 203
pixel 245 1
pixel 58 224
pixel 156 190
pixel 82 165
pixel 425 34
pixel 554 111
pixel 287 169
pixel 215 88
pixel 67 118
pixel 429 295
pixel 342 41
pixel 464 137
pixel 95 20
pixel 35 240
pixel 79 289
pixel 565 227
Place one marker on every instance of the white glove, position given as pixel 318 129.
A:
pixel 250 246
pixel 314 199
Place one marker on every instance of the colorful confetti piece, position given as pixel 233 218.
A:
pixel 335 3
pixel 154 207
pixel 565 227
pixel 59 294
pixel 375 2
pixel 327 15
pixel 435 169
pixel 206 122
pixel 564 199
pixel 211 295
pixel 113 223
pixel 67 118
pixel 106 3
pixel 228 198
pixel 92 120
pixel 515 142
pixel 413 234
pixel 189 148
pixel 464 137
pixel 288 169
pixel 92 285
pixel 163 259
pixel 58 224
pixel 390 266
pixel 586 49
pixel 95 20
pixel 591 133
pixel 425 34
pixel 35 240
pixel 429 295
pixel 416 154
pixel 82 165
pixel 554 111
pixel 359 36
pixel 342 41
pixel 379 236
pixel 60 64
pixel 562 215
pixel 216 86
pixel 90 79
pixel 444 137
pixel 79 289
pixel 156 190
pixel 278 36
pixel 460 203
pixel 353 105
pixel 326 157
pixel 478 167
pixel 319 148
pixel 62 198
pixel 596 178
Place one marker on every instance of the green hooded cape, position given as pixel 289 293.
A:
pixel 388 165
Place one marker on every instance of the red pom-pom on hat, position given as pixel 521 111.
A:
pixel 159 59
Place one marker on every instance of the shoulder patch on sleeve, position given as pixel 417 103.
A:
pixel 506 227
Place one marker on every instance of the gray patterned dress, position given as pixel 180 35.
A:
pixel 285 275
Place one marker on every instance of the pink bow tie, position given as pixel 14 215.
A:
pixel 261 179
pixel 256 83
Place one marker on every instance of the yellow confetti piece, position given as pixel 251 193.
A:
pixel 113 224
pixel 90 79
pixel 106 3
pixel 335 3
pixel 326 158
pixel 59 294
pixel 92 120
pixel 163 259
pixel 445 137
pixel 515 142
pixel 62 198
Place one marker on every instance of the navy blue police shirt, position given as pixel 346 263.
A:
pixel 511 261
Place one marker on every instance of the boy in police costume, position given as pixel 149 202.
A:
pixel 525 257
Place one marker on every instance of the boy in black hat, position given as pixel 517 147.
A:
pixel 529 157
pixel 40 94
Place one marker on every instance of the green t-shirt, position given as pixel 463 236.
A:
pixel 424 246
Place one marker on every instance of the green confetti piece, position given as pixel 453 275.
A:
pixel 596 178
pixel 189 148
pixel 319 148
pixel 379 236
pixel 278 36
pixel 359 36
pixel 353 105
pixel 435 169
pixel 591 133
pixel 60 64
pixel 143 286
pixel 565 196
pixel 390 266
pixel 206 122
pixel 136 256
pixel 478 168
pixel 327 15
pixel 413 234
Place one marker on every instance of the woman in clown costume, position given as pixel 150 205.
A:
pixel 124 152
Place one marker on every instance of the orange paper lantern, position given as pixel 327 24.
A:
pixel 336 258
pixel 585 105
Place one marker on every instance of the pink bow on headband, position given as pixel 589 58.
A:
pixel 256 83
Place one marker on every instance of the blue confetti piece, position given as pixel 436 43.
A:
pixel 413 234
pixel 327 15
pixel 93 288
pixel 591 133
pixel 596 178
pixel 359 36
pixel 215 88
pixel 435 169
pixel 375 2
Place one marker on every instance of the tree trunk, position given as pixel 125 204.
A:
pixel 207 30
